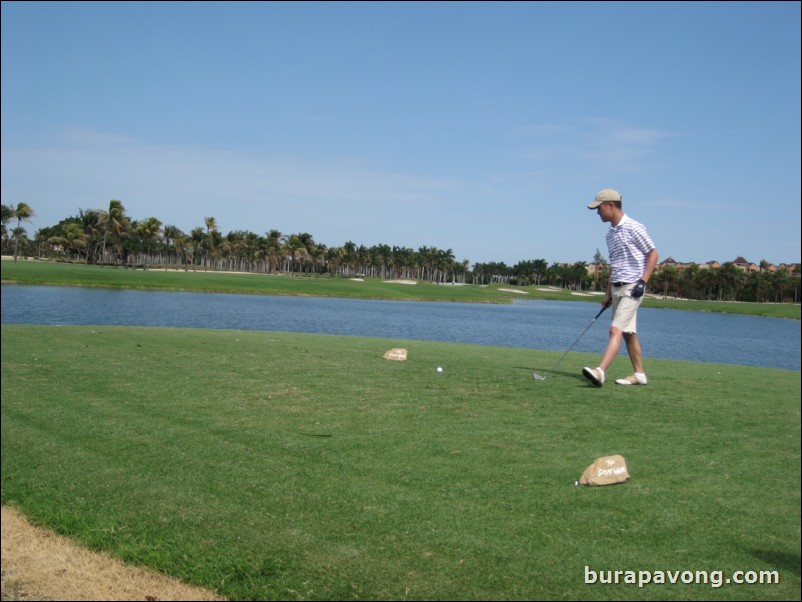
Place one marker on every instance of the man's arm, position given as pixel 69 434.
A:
pixel 640 287
pixel 651 263
pixel 608 295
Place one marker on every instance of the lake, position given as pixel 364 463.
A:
pixel 552 325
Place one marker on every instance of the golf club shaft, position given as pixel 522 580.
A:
pixel 601 311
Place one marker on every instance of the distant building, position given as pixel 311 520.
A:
pixel 596 269
pixel 739 262
pixel 673 263
pixel 744 265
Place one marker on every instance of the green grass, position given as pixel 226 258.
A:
pixel 36 272
pixel 290 466
pixel 43 272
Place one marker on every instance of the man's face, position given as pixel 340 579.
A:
pixel 605 211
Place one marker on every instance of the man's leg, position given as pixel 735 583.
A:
pixel 634 350
pixel 612 349
pixel 596 375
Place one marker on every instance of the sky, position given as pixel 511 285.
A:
pixel 480 127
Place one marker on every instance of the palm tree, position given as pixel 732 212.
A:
pixel 117 225
pixel 334 259
pixel 211 227
pixel 445 264
pixel 272 250
pixel 555 274
pixel 349 257
pixel 91 222
pixel 183 245
pixel 462 269
pixel 318 255
pixel 706 281
pixel 7 217
pixel 406 261
pixel 730 279
pixel 539 268
pixel 171 234
pixel 578 273
pixel 781 284
pixel 309 250
pixel 249 247
pixel 426 255
pixel 149 231
pixel 196 243
pixel 362 259
pixel 73 238
pixel 22 213
pixel 382 256
pixel 669 277
pixel 20 236
pixel 763 275
pixel 294 247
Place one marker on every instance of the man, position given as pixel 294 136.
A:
pixel 633 258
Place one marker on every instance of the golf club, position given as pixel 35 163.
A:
pixel 537 376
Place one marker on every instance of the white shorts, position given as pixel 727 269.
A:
pixel 625 309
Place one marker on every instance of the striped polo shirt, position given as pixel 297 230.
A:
pixel 628 244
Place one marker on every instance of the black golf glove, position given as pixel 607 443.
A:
pixel 639 289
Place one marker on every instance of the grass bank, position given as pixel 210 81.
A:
pixel 51 273
pixel 292 466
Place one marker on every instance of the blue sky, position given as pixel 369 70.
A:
pixel 484 128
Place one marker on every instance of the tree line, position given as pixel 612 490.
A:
pixel 109 237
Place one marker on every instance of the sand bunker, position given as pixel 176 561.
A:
pixel 41 565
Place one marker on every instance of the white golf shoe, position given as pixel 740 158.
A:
pixel 633 379
pixel 594 375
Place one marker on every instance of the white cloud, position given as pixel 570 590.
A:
pixel 603 144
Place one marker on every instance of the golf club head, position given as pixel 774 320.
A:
pixel 537 376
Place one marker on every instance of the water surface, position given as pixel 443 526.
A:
pixel 553 325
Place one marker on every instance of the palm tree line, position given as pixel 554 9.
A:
pixel 111 238
pixel 727 283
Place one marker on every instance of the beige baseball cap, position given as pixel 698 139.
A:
pixel 608 194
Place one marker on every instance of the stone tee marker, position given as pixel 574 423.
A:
pixel 399 355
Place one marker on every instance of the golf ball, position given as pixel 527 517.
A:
pixel 439 368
